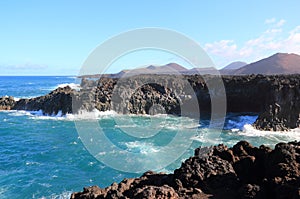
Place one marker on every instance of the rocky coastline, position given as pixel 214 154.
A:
pixel 276 98
pixel 242 171
pixel 239 172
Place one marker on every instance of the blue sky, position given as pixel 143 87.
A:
pixel 55 37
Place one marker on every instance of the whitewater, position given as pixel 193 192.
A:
pixel 43 156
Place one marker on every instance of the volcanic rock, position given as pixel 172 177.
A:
pixel 243 171
pixel 58 100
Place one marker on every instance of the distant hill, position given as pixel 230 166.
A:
pixel 166 68
pixel 279 63
pixel 235 65
pixel 202 71
pixel 171 68
pixel 232 67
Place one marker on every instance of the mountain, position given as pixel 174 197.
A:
pixel 167 68
pixel 232 67
pixel 171 68
pixel 202 71
pixel 279 63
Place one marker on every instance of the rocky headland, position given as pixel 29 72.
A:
pixel 276 98
pixel 239 172
pixel 58 100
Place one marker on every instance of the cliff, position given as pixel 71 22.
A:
pixel 275 98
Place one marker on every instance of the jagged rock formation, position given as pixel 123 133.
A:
pixel 240 172
pixel 282 112
pixel 58 100
pixel 276 98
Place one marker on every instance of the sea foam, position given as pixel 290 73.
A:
pixel 280 136
pixel 141 147
pixel 72 85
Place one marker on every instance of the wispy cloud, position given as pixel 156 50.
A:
pixel 273 39
pixel 25 66
pixel 280 23
pixel 269 21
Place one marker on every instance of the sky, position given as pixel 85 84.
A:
pixel 56 37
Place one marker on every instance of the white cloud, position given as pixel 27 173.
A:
pixel 274 39
pixel 280 23
pixel 223 47
pixel 274 30
pixel 255 42
pixel 292 43
pixel 26 66
pixel 271 20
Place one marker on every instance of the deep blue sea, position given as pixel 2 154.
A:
pixel 50 157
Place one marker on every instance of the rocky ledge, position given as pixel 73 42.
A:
pixel 276 98
pixel 240 172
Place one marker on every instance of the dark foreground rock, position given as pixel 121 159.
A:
pixel 276 98
pixel 240 172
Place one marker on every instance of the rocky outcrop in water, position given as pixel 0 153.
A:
pixel 240 172
pixel 58 100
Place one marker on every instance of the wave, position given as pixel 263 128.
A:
pixel 18 113
pixel 237 123
pixel 159 118
pixel 160 121
pixel 72 85
pixel 84 115
pixel 28 163
pixel 36 114
pixel 237 126
pixel 63 195
pixel 208 136
pixel 141 147
pixel 91 115
pixel 281 136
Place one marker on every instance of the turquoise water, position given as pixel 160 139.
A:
pixel 44 157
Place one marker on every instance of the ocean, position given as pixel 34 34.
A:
pixel 48 156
